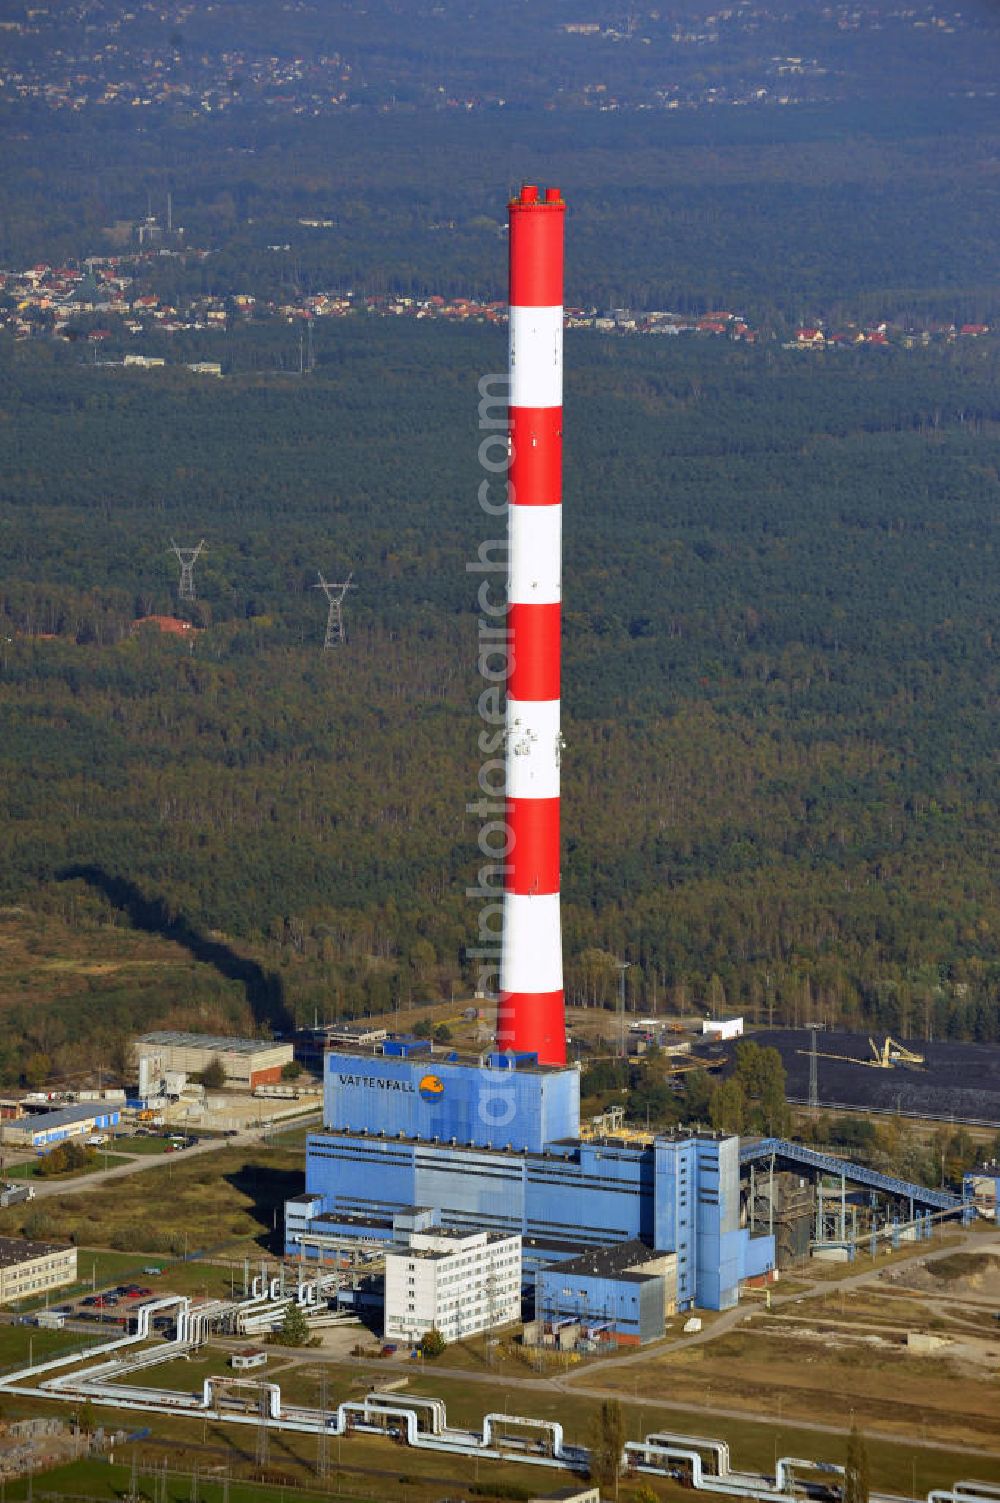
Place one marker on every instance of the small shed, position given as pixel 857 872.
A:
pixel 251 1356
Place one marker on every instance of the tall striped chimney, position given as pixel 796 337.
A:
pixel 531 1016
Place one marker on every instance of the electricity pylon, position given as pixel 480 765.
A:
pixel 335 615
pixel 186 557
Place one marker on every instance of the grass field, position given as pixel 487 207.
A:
pixel 30 1169
pixel 101 1481
pixel 293 1137
pixel 233 1197
pixel 16 1342
pixel 811 1377
pixel 144 1147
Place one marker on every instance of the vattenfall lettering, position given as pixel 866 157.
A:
pixel 377 1082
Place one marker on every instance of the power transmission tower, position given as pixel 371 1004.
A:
pixel 186 557
pixel 133 1487
pixel 813 1072
pixel 335 616
pixel 262 1432
pixel 491 1314
pixel 323 1444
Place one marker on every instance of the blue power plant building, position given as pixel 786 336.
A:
pixel 495 1144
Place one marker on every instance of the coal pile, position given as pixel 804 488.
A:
pixel 959 1082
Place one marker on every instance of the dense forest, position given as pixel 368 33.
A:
pixel 781 583
pixel 780 676
pixel 782 215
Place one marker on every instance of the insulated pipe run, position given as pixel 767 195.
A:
pixel 531 1015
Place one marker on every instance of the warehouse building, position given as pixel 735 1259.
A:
pixel 458 1283
pixel 494 1145
pixel 46 1129
pixel 622 1295
pixel 30 1268
pixel 247 1063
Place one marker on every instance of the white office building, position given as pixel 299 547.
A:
pixel 459 1283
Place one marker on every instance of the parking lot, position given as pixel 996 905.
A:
pixel 113 1305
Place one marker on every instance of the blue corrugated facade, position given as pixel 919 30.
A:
pixel 626 1308
pixel 431 1097
pixel 50 1128
pixel 678 1193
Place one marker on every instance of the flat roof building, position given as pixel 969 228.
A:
pixel 458 1283
pixel 249 1357
pixel 247 1062
pixel 30 1268
pixel 45 1129
pixel 622 1295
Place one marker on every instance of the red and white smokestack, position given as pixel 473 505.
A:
pixel 531 1016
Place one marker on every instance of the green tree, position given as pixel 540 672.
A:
pixel 37 1069
pixel 65 1159
pixel 608 1444
pixel 432 1343
pixel 294 1328
pixel 213 1077
pixel 291 1070
pixel 697 1096
pixel 856 1473
pixel 762 1076
pixel 728 1107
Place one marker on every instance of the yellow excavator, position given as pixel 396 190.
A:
pixel 891 1053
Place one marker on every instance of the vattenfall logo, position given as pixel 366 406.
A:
pixel 430 1087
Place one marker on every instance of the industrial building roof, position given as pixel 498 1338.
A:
pixel 558 1149
pixel 14 1250
pixel 620 1260
pixel 445 1056
pixel 352 1219
pixel 64 1116
pixel 455 1234
pixel 175 1039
